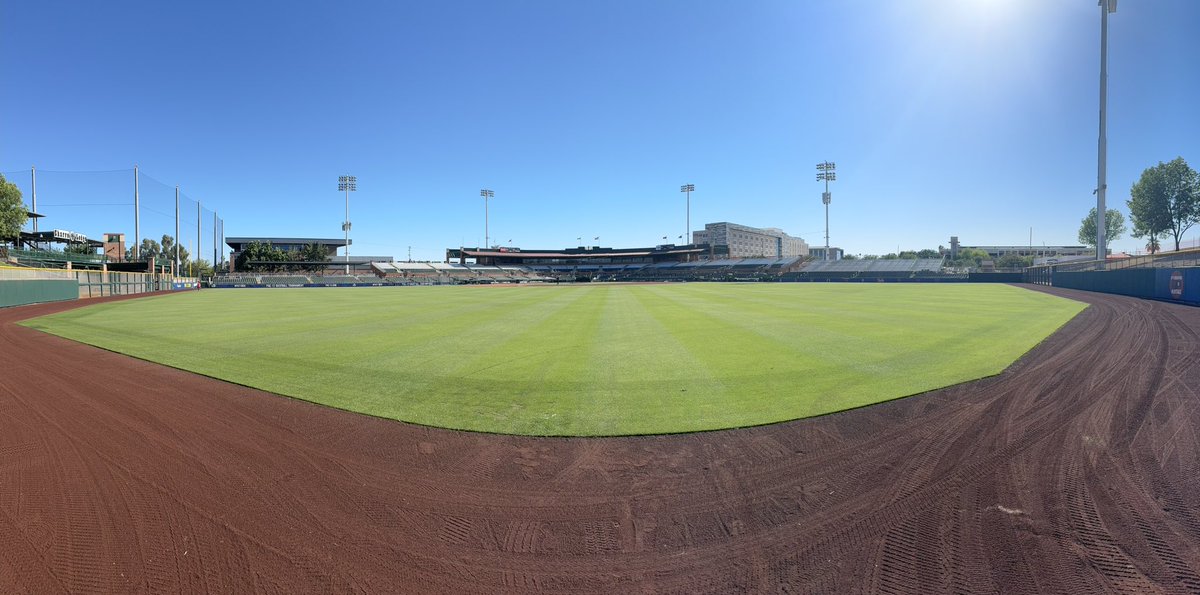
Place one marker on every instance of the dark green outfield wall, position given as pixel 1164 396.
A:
pixel 15 292
pixel 1176 285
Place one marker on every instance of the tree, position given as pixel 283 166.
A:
pixel 316 256
pixel 168 247
pixel 1013 261
pixel 1114 227
pixel 150 250
pixel 1153 246
pixel 79 249
pixel 200 268
pixel 970 257
pixel 12 211
pixel 1165 201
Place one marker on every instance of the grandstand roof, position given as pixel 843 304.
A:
pixel 511 255
pixel 582 253
pixel 237 242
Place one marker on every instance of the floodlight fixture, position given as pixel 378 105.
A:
pixel 347 184
pixel 826 172
pixel 486 194
pixel 688 189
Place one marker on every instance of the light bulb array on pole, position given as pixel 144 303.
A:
pixel 347 184
pixel 826 172
pixel 486 194
pixel 687 230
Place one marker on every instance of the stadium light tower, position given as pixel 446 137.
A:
pixel 347 184
pixel 486 194
pixel 827 172
pixel 688 189
pixel 1106 6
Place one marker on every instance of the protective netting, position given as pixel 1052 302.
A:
pixel 99 203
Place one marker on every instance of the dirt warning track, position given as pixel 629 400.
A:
pixel 1077 470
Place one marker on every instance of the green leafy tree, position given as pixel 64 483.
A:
pixel 168 247
pixel 200 268
pixel 1165 201
pixel 259 256
pixel 150 250
pixel 167 252
pixel 970 257
pixel 316 256
pixel 12 211
pixel 1013 261
pixel 85 249
pixel 1114 227
pixel 929 253
pixel 1152 246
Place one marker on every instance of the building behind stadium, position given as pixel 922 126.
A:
pixel 744 241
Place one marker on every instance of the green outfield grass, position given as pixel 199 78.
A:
pixel 587 359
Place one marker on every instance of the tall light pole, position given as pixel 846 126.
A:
pixel 347 184
pixel 486 194
pixel 827 172
pixel 1106 6
pixel 687 231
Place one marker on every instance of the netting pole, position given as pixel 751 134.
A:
pixel 33 188
pixel 137 223
pixel 214 242
pixel 199 243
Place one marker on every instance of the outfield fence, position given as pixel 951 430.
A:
pixel 1170 276
pixel 28 286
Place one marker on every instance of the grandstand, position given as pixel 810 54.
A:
pixel 440 273
pixel 924 269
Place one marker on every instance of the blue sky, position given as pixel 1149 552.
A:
pixel 975 118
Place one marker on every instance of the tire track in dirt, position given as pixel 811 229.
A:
pixel 1076 470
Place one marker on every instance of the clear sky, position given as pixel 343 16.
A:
pixel 975 118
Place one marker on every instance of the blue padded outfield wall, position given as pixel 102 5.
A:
pixel 1171 285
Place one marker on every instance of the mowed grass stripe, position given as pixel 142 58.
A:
pixel 584 360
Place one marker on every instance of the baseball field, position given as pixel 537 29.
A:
pixel 584 360
pixel 1074 470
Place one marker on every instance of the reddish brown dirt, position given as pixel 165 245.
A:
pixel 1076 471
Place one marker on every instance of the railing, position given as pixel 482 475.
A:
pixel 55 258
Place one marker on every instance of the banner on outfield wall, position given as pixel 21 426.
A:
pixel 1180 285
pixel 184 285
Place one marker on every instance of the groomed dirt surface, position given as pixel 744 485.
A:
pixel 1075 471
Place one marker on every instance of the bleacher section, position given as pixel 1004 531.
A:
pixel 925 269
pixel 729 269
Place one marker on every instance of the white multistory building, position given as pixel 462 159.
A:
pixel 751 242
